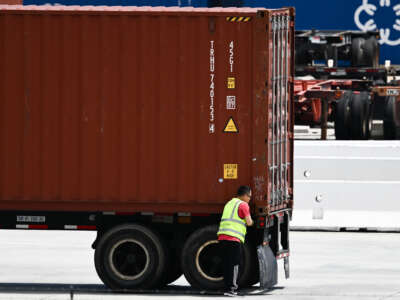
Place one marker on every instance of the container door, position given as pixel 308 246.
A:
pixel 280 154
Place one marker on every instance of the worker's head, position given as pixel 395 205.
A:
pixel 244 193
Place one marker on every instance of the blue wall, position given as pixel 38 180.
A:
pixel 318 14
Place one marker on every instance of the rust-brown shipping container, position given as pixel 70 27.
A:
pixel 160 112
pixel 10 1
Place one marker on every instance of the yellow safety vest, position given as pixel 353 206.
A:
pixel 231 224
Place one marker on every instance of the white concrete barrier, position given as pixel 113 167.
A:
pixel 347 184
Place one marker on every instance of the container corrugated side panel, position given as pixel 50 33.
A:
pixel 104 111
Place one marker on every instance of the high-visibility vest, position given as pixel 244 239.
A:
pixel 231 224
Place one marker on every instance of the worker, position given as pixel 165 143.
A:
pixel 231 235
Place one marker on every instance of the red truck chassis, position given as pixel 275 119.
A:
pixel 351 97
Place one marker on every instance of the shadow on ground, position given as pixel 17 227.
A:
pixel 74 289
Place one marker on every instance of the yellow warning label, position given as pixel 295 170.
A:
pixel 231 126
pixel 231 83
pixel 230 171
pixel 238 19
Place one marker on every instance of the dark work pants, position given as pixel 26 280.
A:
pixel 231 260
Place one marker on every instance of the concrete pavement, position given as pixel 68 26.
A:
pixel 324 265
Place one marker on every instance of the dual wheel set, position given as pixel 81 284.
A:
pixel 133 256
pixel 354 113
pixel 362 52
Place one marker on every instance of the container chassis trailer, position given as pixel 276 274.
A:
pixel 350 97
pixel 140 124
pixel 343 48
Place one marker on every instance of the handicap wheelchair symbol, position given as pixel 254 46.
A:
pixel 386 34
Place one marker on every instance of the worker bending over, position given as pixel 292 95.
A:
pixel 231 234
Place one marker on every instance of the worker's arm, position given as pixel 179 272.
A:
pixel 244 211
pixel 249 220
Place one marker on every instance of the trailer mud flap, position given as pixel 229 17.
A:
pixel 268 267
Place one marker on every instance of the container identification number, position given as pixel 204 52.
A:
pixel 231 55
pixel 211 128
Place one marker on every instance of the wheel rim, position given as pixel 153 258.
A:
pixel 209 261
pixel 129 259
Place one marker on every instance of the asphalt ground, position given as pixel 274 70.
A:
pixel 324 265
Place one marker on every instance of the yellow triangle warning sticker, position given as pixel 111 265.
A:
pixel 231 126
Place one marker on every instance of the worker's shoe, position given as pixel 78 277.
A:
pixel 230 293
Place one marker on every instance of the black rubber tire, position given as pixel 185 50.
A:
pixel 370 115
pixel 359 116
pixel 365 52
pixel 342 117
pixel 201 239
pixel 357 52
pixel 391 121
pixel 174 269
pixel 371 52
pixel 123 245
pixel 205 270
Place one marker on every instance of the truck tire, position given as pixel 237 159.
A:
pixel 360 116
pixel 357 52
pixel 365 52
pixel 370 106
pixel 391 121
pixel 368 110
pixel 202 260
pixel 342 117
pixel 174 269
pixel 371 52
pixel 130 256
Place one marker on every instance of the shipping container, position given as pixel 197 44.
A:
pixel 10 1
pixel 365 15
pixel 128 115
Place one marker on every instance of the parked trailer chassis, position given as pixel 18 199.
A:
pixel 340 48
pixel 351 103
